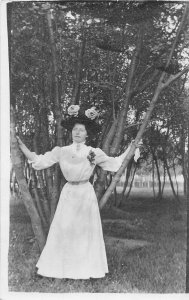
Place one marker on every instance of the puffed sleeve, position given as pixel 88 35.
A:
pixel 46 160
pixel 109 163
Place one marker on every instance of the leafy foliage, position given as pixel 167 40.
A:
pixel 106 54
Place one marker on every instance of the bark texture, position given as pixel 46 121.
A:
pixel 28 201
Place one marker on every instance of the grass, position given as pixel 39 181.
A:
pixel 156 268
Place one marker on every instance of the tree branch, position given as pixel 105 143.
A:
pixel 174 77
pixel 184 17
pixel 123 112
pixel 144 85
pixel 132 125
pixel 141 76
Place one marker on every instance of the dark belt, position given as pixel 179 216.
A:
pixel 78 182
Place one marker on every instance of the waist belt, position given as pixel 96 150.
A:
pixel 78 182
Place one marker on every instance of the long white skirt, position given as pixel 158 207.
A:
pixel 75 246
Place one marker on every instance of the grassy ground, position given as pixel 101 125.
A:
pixel 134 267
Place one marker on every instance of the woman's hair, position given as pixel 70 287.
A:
pixel 91 127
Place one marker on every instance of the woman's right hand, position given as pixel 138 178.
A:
pixel 30 155
pixel 20 143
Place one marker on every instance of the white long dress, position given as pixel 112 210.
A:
pixel 75 246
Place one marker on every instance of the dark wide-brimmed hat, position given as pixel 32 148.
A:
pixel 85 117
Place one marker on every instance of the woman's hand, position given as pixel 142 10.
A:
pixel 30 155
pixel 139 144
pixel 137 150
pixel 20 143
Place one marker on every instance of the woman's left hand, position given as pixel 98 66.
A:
pixel 137 150
pixel 139 144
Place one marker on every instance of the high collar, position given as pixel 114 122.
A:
pixel 78 146
pixel 75 143
pixel 82 151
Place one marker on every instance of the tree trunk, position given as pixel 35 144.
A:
pixel 164 177
pixel 43 199
pixel 45 145
pixel 131 184
pixel 49 183
pixel 38 201
pixel 44 202
pixel 13 182
pixel 44 122
pixel 171 182
pixel 123 112
pixel 28 201
pixel 187 199
pixel 153 179
pixel 115 197
pixel 174 169
pixel 159 197
pixel 57 114
pixel 109 137
pixel 105 130
pixel 184 170
pixel 57 108
pixel 159 180
pixel 76 93
pixel 128 172
pixel 100 182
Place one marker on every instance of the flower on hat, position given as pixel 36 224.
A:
pixel 91 113
pixel 73 110
pixel 75 114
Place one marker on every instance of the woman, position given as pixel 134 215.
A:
pixel 75 246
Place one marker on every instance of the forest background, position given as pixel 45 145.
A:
pixel 130 60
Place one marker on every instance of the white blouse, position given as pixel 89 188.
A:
pixel 74 163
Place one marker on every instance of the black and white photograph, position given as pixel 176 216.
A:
pixel 94 148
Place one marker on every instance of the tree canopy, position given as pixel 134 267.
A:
pixel 129 59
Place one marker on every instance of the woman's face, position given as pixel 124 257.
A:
pixel 79 133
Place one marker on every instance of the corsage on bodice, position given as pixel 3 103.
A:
pixel 75 163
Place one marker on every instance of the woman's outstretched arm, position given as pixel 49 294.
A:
pixel 41 161
pixel 30 155
pixel 113 164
